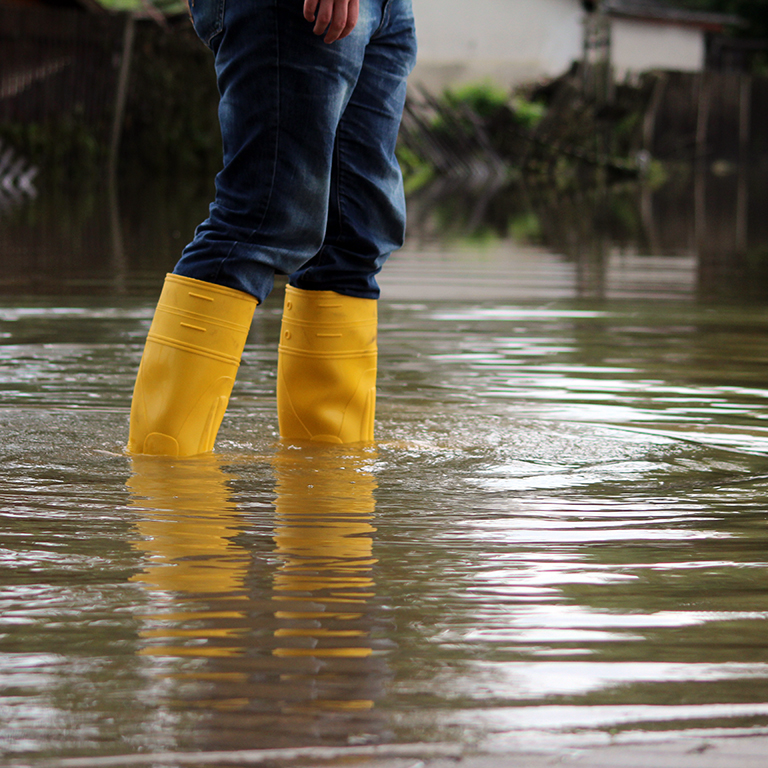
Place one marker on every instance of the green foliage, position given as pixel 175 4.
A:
pixel 528 113
pixel 487 101
pixel 167 7
pixel 657 175
pixel 525 227
pixel 66 150
pixel 484 99
pixel 121 5
pixel 481 126
pixel 417 173
pixel 754 13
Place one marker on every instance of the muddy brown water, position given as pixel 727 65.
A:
pixel 559 537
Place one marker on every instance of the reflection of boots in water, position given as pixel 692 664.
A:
pixel 326 367
pixel 188 367
pixel 324 584
pixel 186 522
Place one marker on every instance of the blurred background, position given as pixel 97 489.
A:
pixel 633 127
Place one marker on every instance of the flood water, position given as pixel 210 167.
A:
pixel 559 538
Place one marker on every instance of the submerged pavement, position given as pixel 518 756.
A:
pixel 720 752
pixel 679 752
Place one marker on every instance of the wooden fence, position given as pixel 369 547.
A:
pixel 63 67
pixel 58 64
pixel 717 115
pixel 72 84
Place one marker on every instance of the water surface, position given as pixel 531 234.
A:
pixel 559 537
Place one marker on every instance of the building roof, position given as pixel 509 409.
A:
pixel 661 11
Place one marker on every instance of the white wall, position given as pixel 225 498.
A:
pixel 510 41
pixel 638 46
pixel 514 42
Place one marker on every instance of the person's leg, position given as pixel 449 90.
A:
pixel 283 91
pixel 366 217
pixel 327 359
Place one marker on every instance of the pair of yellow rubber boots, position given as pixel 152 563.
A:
pixel 326 372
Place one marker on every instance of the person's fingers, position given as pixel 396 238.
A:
pixel 333 18
pixel 324 10
pixel 338 22
pixel 353 14
pixel 309 9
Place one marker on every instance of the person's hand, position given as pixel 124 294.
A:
pixel 333 18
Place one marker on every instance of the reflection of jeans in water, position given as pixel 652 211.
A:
pixel 310 186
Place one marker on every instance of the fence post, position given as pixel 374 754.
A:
pixel 745 137
pixel 123 79
pixel 702 117
pixel 652 112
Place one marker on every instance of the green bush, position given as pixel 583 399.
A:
pixel 66 150
pixel 484 99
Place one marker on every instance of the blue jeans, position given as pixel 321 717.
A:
pixel 310 186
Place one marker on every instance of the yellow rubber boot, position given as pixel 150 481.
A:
pixel 189 366
pixel 326 367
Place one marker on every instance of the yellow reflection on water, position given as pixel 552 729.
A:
pixel 186 526
pixel 324 542
pixel 308 649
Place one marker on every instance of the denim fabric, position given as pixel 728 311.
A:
pixel 310 186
